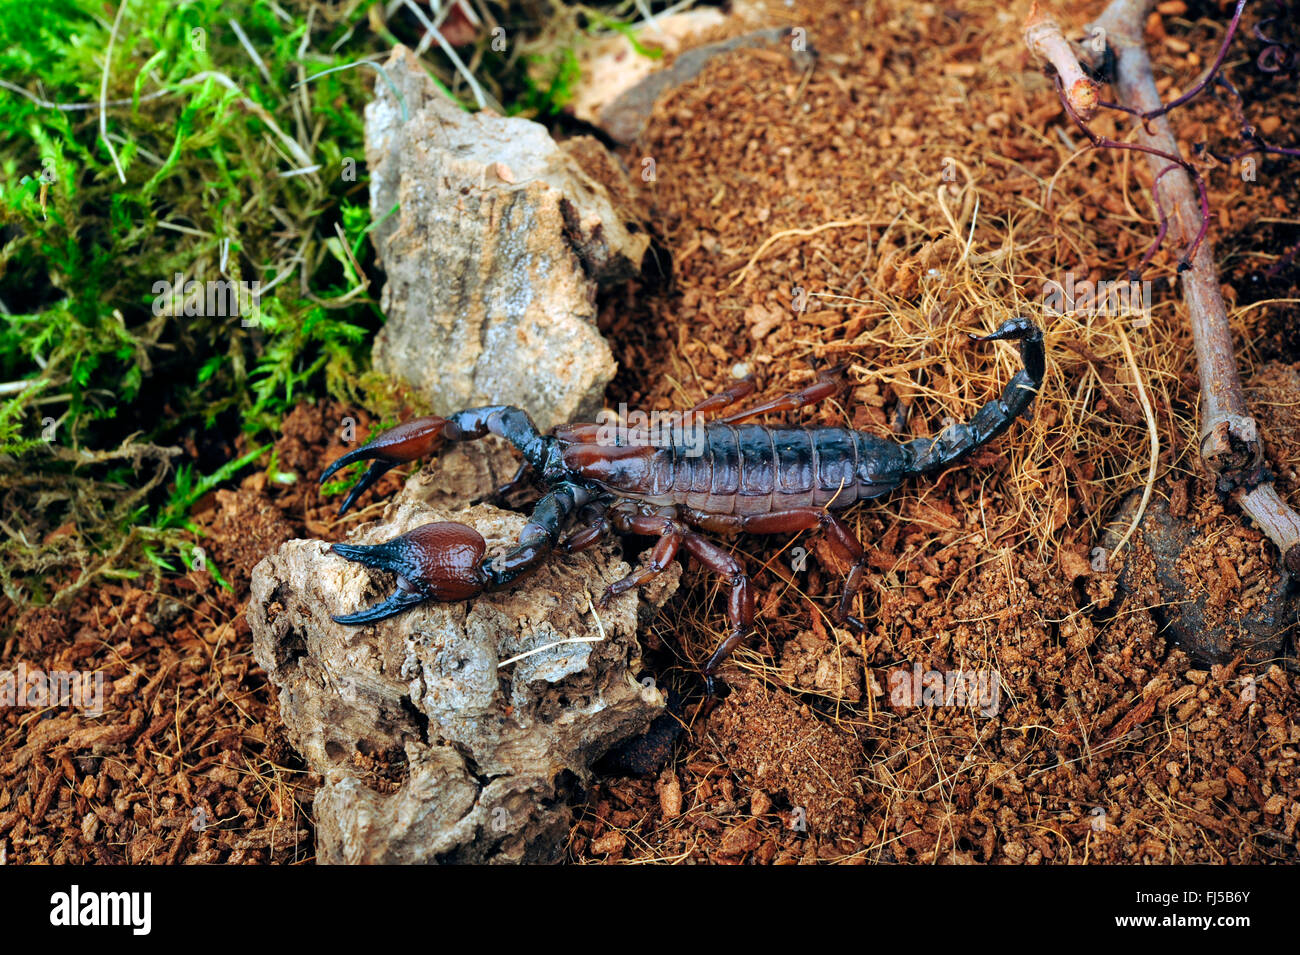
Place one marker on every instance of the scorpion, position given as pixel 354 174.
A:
pixel 740 478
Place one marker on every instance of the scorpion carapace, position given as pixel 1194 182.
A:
pixel 729 477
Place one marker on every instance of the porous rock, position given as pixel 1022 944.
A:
pixel 476 754
pixel 493 256
pixel 1265 632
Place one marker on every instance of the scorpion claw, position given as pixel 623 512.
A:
pixel 373 474
pixel 398 601
pixel 408 441
pixel 441 561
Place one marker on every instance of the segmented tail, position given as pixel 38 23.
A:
pixel 950 446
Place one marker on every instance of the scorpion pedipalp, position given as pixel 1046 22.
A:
pixel 407 442
pixel 439 561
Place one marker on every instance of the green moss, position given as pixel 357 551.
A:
pixel 204 139
pixel 214 165
pixel 559 72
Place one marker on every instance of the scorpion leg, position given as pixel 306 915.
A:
pixel 829 382
pixel 639 437
pixel 586 432
pixel 841 538
pixel 503 491
pixel 671 534
pixel 597 529
pixel 847 545
pixel 927 455
pixel 723 399
pixel 674 534
pixel 740 603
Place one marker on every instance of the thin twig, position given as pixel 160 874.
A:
pixel 1230 443
pixel 559 643
pixel 1105 142
pixel 1045 40
pixel 1210 74
pixel 547 646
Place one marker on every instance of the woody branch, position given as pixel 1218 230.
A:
pixel 1230 444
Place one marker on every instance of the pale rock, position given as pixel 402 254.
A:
pixel 493 256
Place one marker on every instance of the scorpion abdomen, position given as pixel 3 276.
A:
pixel 749 469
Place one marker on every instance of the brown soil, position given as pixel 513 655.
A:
pixel 1105 744
pixel 188 762
pixel 1108 745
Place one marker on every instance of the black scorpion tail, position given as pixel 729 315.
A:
pixel 958 440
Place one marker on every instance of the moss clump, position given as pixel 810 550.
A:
pixel 153 157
